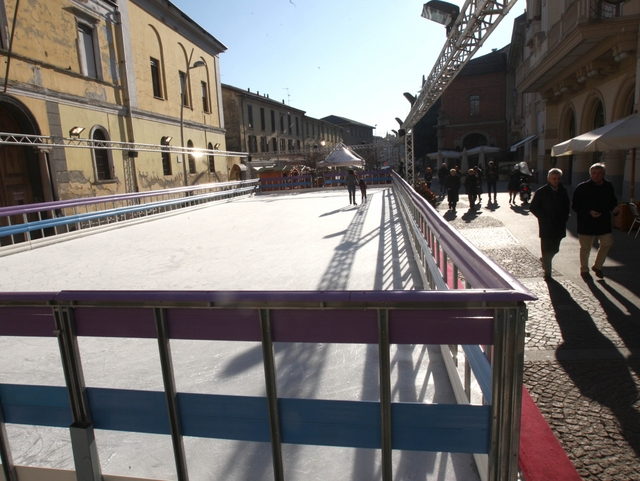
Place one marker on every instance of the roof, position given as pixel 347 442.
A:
pixel 173 17
pixel 489 63
pixel 334 119
pixel 262 98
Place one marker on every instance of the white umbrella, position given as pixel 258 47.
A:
pixel 623 134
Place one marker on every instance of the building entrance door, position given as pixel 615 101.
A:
pixel 15 178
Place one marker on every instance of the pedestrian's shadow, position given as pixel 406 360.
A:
pixel 603 375
pixel 492 206
pixel 624 319
pixel 471 214
pixel 520 209
pixel 450 215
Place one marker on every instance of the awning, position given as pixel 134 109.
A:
pixel 515 146
pixel 445 154
pixel 483 149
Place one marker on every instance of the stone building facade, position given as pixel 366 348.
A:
pixel 111 71
pixel 578 71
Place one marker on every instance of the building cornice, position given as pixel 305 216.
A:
pixel 170 15
pixel 583 45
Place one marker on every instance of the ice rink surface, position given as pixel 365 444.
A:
pixel 289 241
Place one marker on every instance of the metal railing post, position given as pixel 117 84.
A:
pixel 83 443
pixel 171 394
pixel 272 394
pixel 6 459
pixel 506 393
pixel 385 393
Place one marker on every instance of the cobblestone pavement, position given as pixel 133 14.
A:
pixel 582 345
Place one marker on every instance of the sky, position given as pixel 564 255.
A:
pixel 350 58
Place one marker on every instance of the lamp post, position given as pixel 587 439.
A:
pixel 199 63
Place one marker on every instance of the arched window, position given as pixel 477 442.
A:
pixel 192 159
pixel 598 121
pixel 103 165
pixel 598 117
pixel 166 156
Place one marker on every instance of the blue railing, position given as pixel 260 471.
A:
pixel 19 225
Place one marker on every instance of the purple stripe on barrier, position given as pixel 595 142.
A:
pixel 129 322
pixel 334 325
pixel 14 297
pixel 374 298
pixel 27 321
pixel 441 327
pixel 214 324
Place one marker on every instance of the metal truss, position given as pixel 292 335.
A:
pixel 321 150
pixel 408 146
pixel 477 19
pixel 45 142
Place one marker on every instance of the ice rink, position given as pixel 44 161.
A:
pixel 290 241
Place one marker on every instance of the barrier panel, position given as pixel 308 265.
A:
pixel 379 318
pixel 290 182
pixel 371 177
pixel 486 318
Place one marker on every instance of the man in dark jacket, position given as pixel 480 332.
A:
pixel 551 206
pixel 594 201
pixel 492 181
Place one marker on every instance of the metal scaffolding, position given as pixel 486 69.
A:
pixel 477 19
pixel 44 141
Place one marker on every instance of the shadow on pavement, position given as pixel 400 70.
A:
pixel 608 381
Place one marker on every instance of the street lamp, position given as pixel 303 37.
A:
pixel 444 13
pixel 197 64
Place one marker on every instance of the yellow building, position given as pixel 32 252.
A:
pixel 113 71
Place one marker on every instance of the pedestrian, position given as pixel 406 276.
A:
pixel 594 202
pixel 351 180
pixel 363 190
pixel 479 176
pixel 443 173
pixel 551 206
pixel 452 184
pixel 471 187
pixel 492 181
pixel 428 177
pixel 514 184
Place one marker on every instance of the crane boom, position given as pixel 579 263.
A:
pixel 476 21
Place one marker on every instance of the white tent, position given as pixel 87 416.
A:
pixel 342 156
pixel 444 154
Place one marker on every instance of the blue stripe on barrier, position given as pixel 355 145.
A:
pixel 128 410
pixel 241 418
pixel 454 428
pixel 72 219
pixel 37 405
pixel 481 369
pixel 415 426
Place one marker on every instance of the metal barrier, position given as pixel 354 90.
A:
pixel 19 225
pixel 371 177
pixel 490 312
pixel 284 183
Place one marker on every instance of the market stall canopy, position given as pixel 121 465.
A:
pixel 483 149
pixel 623 134
pixel 445 154
pixel 342 156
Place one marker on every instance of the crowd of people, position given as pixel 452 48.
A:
pixel 593 201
